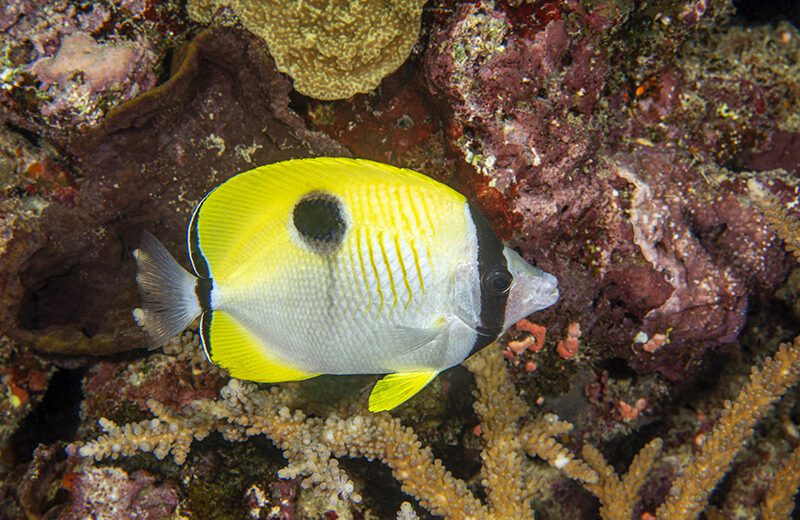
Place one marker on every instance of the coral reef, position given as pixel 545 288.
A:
pixel 66 64
pixel 310 443
pixel 23 381
pixel 110 492
pixel 643 152
pixel 65 268
pixel 529 114
pixel 99 68
pixel 331 50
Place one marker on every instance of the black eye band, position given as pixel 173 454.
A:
pixel 495 281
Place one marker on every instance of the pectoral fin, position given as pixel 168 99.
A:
pixel 405 340
pixel 395 389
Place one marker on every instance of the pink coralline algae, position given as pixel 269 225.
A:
pixel 533 341
pixel 82 68
pixel 67 63
pixel 517 88
pixel 79 53
pixel 643 238
pixel 630 412
pixel 569 345
pixel 109 492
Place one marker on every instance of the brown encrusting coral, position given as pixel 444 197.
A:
pixel 644 153
pixel 332 50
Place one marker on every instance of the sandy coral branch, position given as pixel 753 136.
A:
pixel 640 467
pixel 689 494
pixel 619 496
pixel 784 224
pixel 502 456
pixel 539 442
pixel 779 500
pixel 310 444
pixel 382 437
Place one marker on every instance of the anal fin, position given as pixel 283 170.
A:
pixel 230 345
pixel 395 389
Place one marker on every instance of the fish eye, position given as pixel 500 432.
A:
pixel 497 281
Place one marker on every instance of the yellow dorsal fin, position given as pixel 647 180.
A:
pixel 234 348
pixel 259 200
pixel 395 389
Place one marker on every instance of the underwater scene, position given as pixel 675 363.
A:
pixel 399 259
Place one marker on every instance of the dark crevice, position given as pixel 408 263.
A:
pixel 768 11
pixel 55 419
pixel 617 368
pixel 43 305
pixel 30 137
pixel 299 104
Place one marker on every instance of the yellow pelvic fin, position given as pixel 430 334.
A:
pixel 395 389
pixel 234 348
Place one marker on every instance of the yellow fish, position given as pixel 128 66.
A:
pixel 339 266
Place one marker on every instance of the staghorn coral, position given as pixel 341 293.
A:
pixel 786 225
pixel 779 500
pixel 312 444
pixel 332 50
pixel 619 496
pixel 307 442
pixel 689 495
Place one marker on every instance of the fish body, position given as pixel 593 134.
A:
pixel 339 266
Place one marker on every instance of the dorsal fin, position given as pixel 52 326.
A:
pixel 235 211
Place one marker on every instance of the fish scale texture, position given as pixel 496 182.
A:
pixel 364 306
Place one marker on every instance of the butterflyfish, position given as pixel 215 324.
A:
pixel 338 266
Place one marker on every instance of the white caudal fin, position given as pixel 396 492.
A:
pixel 169 301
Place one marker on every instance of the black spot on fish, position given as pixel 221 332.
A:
pixel 319 219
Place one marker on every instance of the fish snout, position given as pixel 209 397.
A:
pixel 532 290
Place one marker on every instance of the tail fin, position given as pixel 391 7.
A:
pixel 169 301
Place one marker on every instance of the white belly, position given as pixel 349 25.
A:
pixel 373 308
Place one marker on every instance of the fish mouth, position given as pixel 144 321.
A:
pixel 542 291
pixel 550 292
pixel 532 290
